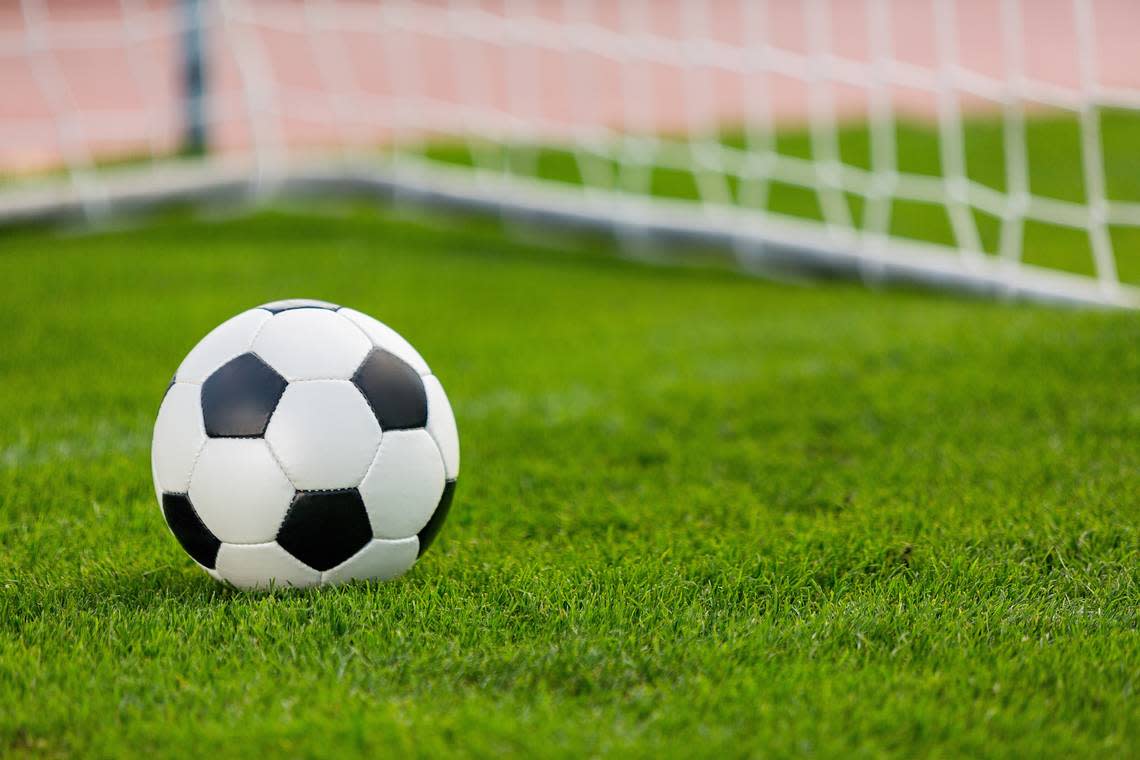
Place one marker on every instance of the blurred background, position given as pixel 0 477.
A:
pixel 982 130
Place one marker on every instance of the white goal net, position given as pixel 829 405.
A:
pixel 988 145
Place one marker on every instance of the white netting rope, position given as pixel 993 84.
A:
pixel 625 90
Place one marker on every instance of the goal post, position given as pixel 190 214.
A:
pixel 194 141
pixel 981 145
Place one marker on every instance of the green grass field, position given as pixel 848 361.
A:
pixel 699 514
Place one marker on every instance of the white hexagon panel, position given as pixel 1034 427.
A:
pixel 301 444
pixel 404 484
pixel 441 426
pixel 324 434
pixel 239 491
pixel 311 344
pixel 178 438
pixel 263 566
pixel 380 559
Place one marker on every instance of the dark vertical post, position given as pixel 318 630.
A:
pixel 194 136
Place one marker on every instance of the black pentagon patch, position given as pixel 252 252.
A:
pixel 394 391
pixel 431 530
pixel 276 307
pixel 189 529
pixel 324 528
pixel 238 399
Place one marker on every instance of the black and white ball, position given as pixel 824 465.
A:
pixel 303 443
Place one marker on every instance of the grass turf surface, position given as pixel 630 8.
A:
pixel 698 514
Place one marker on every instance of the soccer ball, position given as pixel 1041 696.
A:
pixel 303 443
